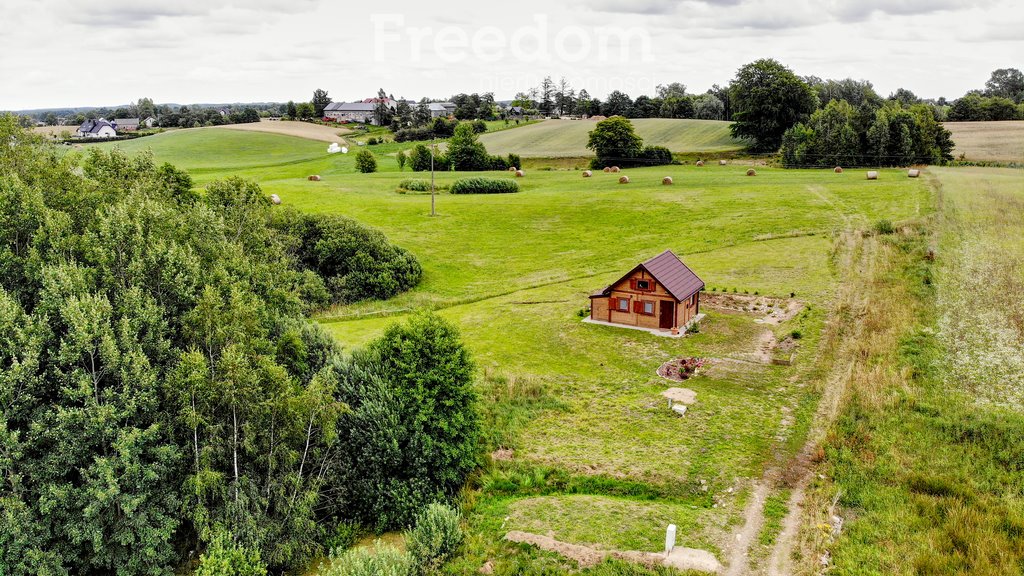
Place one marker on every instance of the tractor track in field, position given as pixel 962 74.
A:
pixel 796 472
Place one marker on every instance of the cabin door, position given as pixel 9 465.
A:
pixel 668 315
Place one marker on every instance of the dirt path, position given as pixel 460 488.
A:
pixel 587 556
pixel 843 331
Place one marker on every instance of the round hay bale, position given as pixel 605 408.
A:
pixel 913 173
pixel 666 181
pixel 314 178
pixel 722 162
pixel 520 173
pixel 275 199
pixel 623 179
pixel 607 169
pixel 615 170
pixel 872 175
pixel 587 173
pixel 838 170
pixel 700 162
pixel 751 172
pixel 512 168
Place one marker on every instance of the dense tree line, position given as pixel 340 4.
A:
pixel 887 135
pixel 162 390
pixel 1001 99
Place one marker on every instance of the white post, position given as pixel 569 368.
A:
pixel 670 539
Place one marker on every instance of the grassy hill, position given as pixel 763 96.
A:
pixel 991 141
pixel 568 138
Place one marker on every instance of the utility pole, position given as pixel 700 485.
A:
pixel 433 145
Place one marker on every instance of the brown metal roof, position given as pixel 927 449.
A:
pixel 671 273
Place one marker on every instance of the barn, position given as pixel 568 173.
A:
pixel 659 294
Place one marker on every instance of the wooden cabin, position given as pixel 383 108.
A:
pixel 661 293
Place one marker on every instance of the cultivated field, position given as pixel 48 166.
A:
pixel 991 141
pixel 55 131
pixel 588 451
pixel 298 129
pixel 568 138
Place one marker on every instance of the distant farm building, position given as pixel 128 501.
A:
pixel 96 129
pixel 356 111
pixel 126 124
pixel 659 294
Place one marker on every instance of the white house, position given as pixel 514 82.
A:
pixel 438 110
pixel 96 129
pixel 149 122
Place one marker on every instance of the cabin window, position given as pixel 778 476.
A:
pixel 648 308
pixel 643 284
pixel 622 304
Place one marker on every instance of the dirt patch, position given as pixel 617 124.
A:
pixel 585 556
pixel 681 395
pixel 503 455
pixel 588 557
pixel 681 368
pixel 293 128
pixel 770 310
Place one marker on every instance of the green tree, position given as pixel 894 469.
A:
pixel 291 110
pixel 614 142
pixel 402 158
pixel 320 101
pixel 465 152
pixel 382 110
pixel 617 104
pixel 671 90
pixel 1006 83
pixel 305 111
pixel 366 162
pixel 708 107
pixel 413 429
pixel 768 99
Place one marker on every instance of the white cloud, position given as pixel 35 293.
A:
pixel 257 50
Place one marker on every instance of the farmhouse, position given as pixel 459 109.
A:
pixel 356 111
pixel 126 124
pixel 661 293
pixel 96 129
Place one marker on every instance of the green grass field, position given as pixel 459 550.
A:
pixel 568 138
pixel 598 459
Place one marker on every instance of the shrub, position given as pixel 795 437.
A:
pixel 413 134
pixel 414 185
pixel 443 127
pixel 366 162
pixel 356 262
pixel 484 186
pixel 479 126
pixel 436 537
pixel 515 161
pixel 225 557
pixel 656 156
pixel 373 141
pixel 420 159
pixel 884 226
pixel 796 334
pixel 382 560
pixel 345 535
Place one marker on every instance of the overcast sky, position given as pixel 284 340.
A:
pixel 88 53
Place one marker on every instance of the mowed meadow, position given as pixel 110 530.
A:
pixel 585 448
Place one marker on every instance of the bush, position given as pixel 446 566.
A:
pixel 225 557
pixel 796 334
pixel 420 159
pixel 484 186
pixel 436 537
pixel 344 537
pixel 884 226
pixel 413 134
pixel 414 185
pixel 382 560
pixel 479 126
pixel 366 162
pixel 514 161
pixel 656 156
pixel 443 127
pixel 356 262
